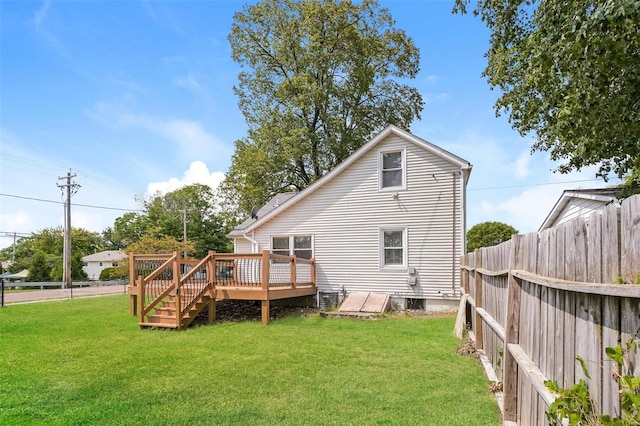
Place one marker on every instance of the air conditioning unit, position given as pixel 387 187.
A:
pixel 327 300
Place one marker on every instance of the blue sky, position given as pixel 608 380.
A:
pixel 136 96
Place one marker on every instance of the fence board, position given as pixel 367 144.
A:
pixel 558 302
pixel 630 240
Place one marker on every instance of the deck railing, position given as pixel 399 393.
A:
pixel 154 278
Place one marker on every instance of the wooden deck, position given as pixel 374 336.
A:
pixel 168 291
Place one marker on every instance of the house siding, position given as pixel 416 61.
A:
pixel 578 207
pixel 345 217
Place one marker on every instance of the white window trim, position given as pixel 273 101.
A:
pixel 291 247
pixel 403 151
pixel 405 244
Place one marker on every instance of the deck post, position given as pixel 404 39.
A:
pixel 293 271
pixel 265 269
pixel 133 299
pixel 265 286
pixel 140 284
pixel 176 283
pixel 211 266
pixel 265 312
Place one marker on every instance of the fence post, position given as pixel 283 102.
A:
pixel 512 331
pixel 478 299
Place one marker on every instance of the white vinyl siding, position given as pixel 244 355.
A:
pixel 345 217
pixel 578 207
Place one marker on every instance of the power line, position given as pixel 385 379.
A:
pixel 533 184
pixel 77 205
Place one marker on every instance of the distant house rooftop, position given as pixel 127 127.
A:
pixel 579 202
pixel 105 256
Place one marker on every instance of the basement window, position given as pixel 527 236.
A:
pixel 415 304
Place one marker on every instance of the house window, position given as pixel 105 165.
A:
pixel 280 245
pixel 100 263
pixel 302 246
pixel 298 245
pixel 392 170
pixel 393 245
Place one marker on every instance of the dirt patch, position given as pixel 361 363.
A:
pixel 251 310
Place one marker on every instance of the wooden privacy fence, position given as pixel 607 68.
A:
pixel 538 301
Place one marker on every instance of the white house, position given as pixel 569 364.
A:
pixel 389 219
pixel 574 203
pixel 93 264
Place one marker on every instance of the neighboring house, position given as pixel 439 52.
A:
pixel 93 264
pixel 389 219
pixel 18 276
pixel 579 202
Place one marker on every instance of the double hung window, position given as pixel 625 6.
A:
pixel 393 247
pixel 392 170
pixel 298 245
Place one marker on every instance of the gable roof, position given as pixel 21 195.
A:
pixel 271 204
pixel 251 224
pixel 602 195
pixel 105 256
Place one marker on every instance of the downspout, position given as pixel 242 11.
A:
pixel 453 240
pixel 254 243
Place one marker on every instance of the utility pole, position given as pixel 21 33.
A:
pixel 184 230
pixel 71 188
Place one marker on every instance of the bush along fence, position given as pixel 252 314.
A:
pixel 544 305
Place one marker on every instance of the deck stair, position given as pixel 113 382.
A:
pixel 165 316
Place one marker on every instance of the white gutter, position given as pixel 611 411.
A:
pixel 254 243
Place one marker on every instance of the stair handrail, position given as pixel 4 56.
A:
pixel 149 278
pixel 183 311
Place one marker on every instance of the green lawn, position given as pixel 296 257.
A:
pixel 85 361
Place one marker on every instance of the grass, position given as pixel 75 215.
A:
pixel 85 361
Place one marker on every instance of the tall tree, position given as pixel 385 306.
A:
pixel 488 234
pixel 192 208
pixel 569 72
pixel 319 78
pixel 39 268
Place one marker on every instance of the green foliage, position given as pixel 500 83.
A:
pixel 105 274
pixel 39 269
pixel 165 216
pixel 576 406
pixel 318 79
pixel 488 234
pixel 568 72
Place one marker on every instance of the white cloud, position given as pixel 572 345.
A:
pixel 432 79
pixel 198 172
pixel 520 167
pixel 40 15
pixel 190 137
pixel 18 221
